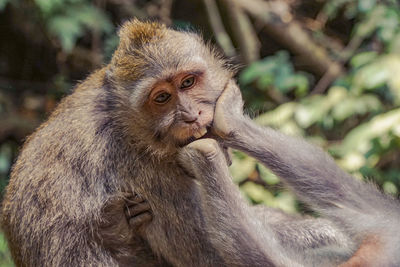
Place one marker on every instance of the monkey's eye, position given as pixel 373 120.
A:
pixel 162 98
pixel 188 82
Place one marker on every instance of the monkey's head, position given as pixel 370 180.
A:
pixel 167 82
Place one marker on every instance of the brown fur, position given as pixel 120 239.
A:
pixel 128 62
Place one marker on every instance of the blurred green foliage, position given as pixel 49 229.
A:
pixel 357 119
pixel 274 72
pixel 5 257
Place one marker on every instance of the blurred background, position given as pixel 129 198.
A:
pixel 328 70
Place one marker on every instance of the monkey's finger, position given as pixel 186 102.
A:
pixel 227 154
pixel 134 199
pixel 140 219
pixel 207 147
pixel 134 210
pixel 229 105
pixel 231 96
pixel 208 161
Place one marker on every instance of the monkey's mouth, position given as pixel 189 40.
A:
pixel 201 132
pixel 204 132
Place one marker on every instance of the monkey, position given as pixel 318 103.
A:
pixel 122 131
pixel 366 215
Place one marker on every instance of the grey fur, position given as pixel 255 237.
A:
pixel 358 208
pixel 258 236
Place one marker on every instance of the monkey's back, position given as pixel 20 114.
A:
pixel 59 182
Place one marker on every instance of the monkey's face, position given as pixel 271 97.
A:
pixel 173 81
pixel 182 104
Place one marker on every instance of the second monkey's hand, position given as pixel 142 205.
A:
pixel 228 115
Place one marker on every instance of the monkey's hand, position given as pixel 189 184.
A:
pixel 137 211
pixel 205 160
pixel 228 111
pixel 124 218
pixel 223 209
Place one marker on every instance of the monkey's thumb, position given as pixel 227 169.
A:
pixel 203 153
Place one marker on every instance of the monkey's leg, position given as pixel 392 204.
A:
pixel 300 232
pixel 320 242
pixel 241 240
pixel 357 207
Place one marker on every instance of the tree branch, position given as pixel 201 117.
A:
pixel 279 23
pixel 218 28
pixel 243 32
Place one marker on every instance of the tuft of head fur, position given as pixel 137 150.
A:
pixel 133 35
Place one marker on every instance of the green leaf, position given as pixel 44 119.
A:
pixel 5 257
pixel 255 71
pixel 5 158
pixel 366 5
pixel 277 116
pixel 355 105
pixel 371 76
pixel 91 17
pixel 241 168
pixel 360 138
pixel 332 7
pixel 367 26
pixel 388 25
pixel 352 161
pixel 385 70
pixel 257 193
pixel 266 175
pixel 275 72
pixel 363 58
pixel 316 108
pixel 390 188
pixel 47 7
pixel 66 29
pixel 394 46
pixel 285 201
pixel 3 4
pixel 73 19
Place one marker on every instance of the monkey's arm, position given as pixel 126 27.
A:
pixel 358 207
pixel 257 230
pixel 241 241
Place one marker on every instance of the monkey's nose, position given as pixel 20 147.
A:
pixel 189 117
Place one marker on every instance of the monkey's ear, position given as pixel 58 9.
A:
pixel 134 33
